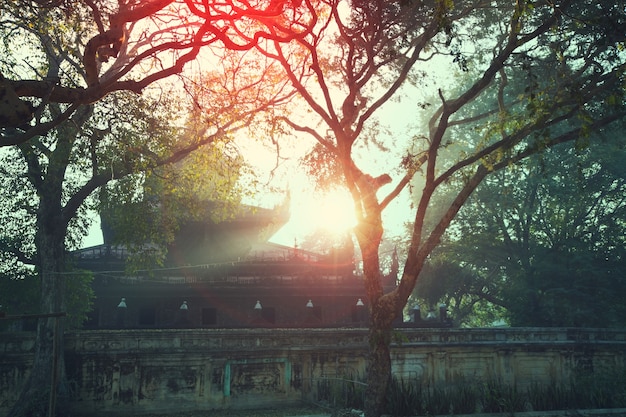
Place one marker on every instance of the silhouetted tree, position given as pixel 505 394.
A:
pixel 358 58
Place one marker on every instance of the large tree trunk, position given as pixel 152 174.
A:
pixel 378 371
pixel 383 313
pixel 39 395
pixel 369 234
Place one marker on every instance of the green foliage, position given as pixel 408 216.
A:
pixel 79 298
pixel 404 398
pixel 322 166
pixel 542 239
pixel 21 295
pixel 604 388
pixel 498 397
pixel 145 211
pixel 465 293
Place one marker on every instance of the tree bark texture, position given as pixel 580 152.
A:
pixel 39 395
pixel 378 370
pixel 382 308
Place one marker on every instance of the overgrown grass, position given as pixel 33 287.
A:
pixel 341 392
pixel 499 397
pixel 405 397
pixel 606 389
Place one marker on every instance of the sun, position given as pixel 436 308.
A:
pixel 311 211
pixel 333 211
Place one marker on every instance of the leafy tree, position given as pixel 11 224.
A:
pixel 79 138
pixel 48 194
pixel 553 240
pixel 346 63
pixel 540 243
pixel 447 280
pixel 569 61
pixel 19 292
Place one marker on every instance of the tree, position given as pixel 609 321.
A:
pixel 356 60
pixel 52 189
pixel 19 292
pixel 112 46
pixel 76 139
pixel 547 238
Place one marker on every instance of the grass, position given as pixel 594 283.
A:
pixel 587 390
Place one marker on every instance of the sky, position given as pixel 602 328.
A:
pixel 310 209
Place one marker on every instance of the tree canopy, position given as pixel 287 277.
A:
pixel 531 223
pixel 103 46
pixel 542 241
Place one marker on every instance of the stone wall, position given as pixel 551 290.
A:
pixel 130 372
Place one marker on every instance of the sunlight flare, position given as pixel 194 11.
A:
pixel 331 212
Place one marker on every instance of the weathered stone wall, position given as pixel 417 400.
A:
pixel 129 372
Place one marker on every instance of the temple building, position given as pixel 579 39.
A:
pixel 228 275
